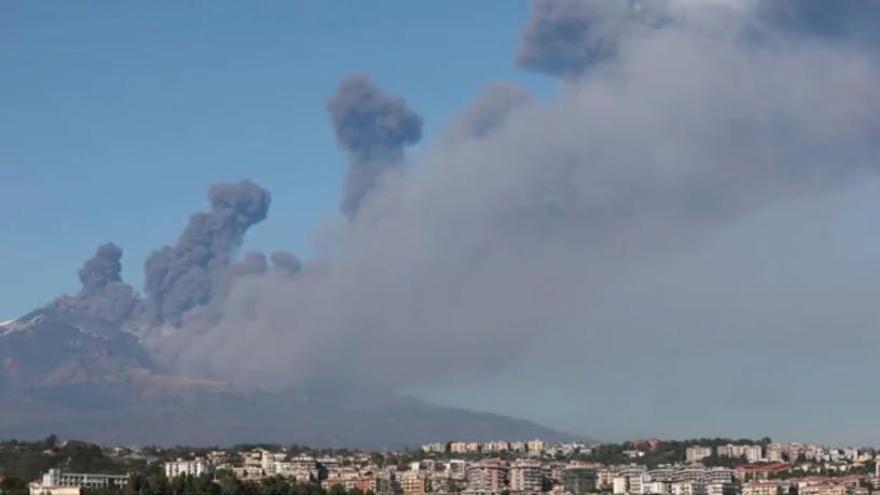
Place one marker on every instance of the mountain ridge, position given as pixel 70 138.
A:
pixel 65 378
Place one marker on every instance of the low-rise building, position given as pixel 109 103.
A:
pixel 697 453
pixel 59 482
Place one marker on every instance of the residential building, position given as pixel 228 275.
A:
pixel 526 476
pixel 487 477
pixel 721 488
pixel 697 453
pixel 535 445
pixel 456 469
pixel 760 488
pixel 579 481
pixel 655 488
pixel 464 447
pixel 59 482
pixel 413 482
pixel 754 453
pixel 191 467
pixel 687 488
pixel 718 475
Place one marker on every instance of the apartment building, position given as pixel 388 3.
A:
pixel 413 483
pixel 191 467
pixel 487 477
pixel 579 480
pixel 697 453
pixel 59 482
pixel 526 476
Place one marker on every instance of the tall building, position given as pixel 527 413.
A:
pixel 535 445
pixel 413 483
pixel 754 453
pixel 579 481
pixel 775 452
pixel 526 476
pixel 487 477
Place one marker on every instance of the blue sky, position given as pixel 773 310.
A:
pixel 116 117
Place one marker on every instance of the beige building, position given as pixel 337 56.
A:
pixel 697 453
pixel 526 476
pixel 413 482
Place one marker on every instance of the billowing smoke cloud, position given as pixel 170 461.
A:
pixel 190 273
pixel 252 263
pixel 489 111
pixel 565 37
pixel 373 127
pixel 854 20
pixel 285 262
pixel 510 231
pixel 104 298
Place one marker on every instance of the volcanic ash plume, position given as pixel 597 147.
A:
pixel 373 127
pixel 104 298
pixel 192 272
pixel 674 120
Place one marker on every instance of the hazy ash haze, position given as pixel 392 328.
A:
pixel 679 240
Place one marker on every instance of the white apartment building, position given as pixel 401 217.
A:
pixel 731 450
pixel 655 488
pixel 618 485
pixel 718 475
pixel 662 473
pixel 629 480
pixel 192 467
pixel 693 473
pixel 687 488
pixel 59 482
pixel 754 453
pixel 697 453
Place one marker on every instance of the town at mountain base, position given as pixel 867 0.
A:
pixel 60 377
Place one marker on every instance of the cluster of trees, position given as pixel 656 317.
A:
pixel 21 462
pixel 224 483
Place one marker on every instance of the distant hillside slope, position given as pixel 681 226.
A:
pixel 57 377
